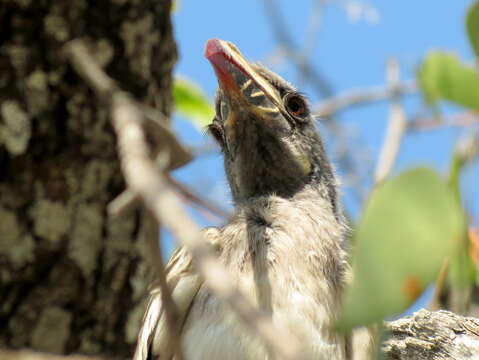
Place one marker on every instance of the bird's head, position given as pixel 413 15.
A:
pixel 265 129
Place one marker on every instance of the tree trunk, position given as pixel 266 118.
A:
pixel 72 279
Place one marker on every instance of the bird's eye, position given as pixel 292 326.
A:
pixel 296 106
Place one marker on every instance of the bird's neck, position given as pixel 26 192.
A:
pixel 313 201
pixel 316 196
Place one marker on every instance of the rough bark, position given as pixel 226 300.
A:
pixel 440 335
pixel 72 279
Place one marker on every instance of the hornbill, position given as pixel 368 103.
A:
pixel 284 245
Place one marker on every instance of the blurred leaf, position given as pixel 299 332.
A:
pixel 410 224
pixel 443 76
pixel 472 26
pixel 192 103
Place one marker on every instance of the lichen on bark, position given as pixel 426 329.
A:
pixel 16 245
pixel 52 330
pixel 15 127
pixel 51 219
pixel 72 279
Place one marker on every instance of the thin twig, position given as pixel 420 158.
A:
pixel 307 71
pixel 311 33
pixel 128 200
pixel 353 98
pixel 171 311
pixel 188 194
pixel 395 130
pixel 143 178
pixel 462 119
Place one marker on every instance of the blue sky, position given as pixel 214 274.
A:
pixel 351 54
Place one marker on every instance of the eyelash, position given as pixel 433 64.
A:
pixel 216 132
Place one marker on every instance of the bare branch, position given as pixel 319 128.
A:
pixel 462 119
pixel 312 30
pixel 363 97
pixel 395 130
pixel 125 201
pixel 311 33
pixel 128 200
pixel 143 178
pixel 285 40
pixel 188 194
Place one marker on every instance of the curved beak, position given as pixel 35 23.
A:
pixel 240 82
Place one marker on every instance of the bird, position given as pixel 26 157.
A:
pixel 285 245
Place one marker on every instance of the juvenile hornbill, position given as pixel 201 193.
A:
pixel 284 244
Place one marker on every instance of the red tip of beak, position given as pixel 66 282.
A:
pixel 219 56
pixel 213 47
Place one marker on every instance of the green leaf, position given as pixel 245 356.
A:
pixel 191 102
pixel 443 76
pixel 410 225
pixel 472 26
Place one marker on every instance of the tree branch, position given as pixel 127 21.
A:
pixel 359 97
pixel 395 130
pixel 436 335
pixel 461 119
pixel 190 195
pixel 307 71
